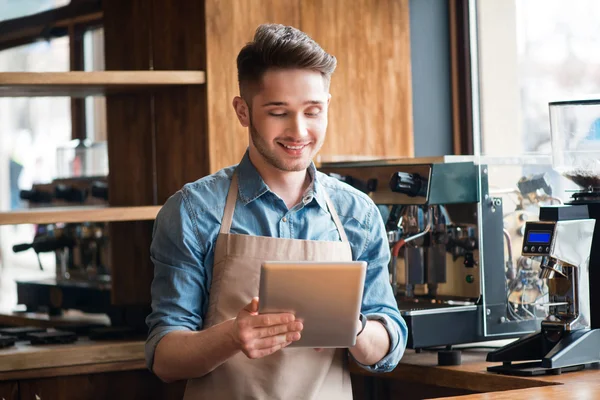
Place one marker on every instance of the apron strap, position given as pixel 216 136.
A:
pixel 335 217
pixel 232 199
pixel 230 204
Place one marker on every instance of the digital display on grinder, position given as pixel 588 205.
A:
pixel 539 237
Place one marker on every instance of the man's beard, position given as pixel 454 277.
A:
pixel 271 158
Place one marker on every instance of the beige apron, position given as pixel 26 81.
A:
pixel 291 373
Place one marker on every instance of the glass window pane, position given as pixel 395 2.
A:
pixel 31 128
pixel 10 9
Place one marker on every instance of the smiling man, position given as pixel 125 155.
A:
pixel 211 237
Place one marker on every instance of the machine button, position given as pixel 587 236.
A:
pixel 525 248
pixel 540 249
pixel 547 249
pixel 470 278
pixel 532 249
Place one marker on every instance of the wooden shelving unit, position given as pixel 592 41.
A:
pixel 93 83
pixel 79 214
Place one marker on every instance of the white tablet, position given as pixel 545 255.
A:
pixel 325 296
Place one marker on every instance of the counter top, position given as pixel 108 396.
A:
pixel 472 375
pixel 24 360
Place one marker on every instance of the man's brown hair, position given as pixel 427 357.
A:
pixel 279 46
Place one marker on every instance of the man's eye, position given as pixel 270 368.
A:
pixel 277 114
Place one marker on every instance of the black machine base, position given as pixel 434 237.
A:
pixel 558 351
pixel 531 369
pixel 87 297
pixel 434 325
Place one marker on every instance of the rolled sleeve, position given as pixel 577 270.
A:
pixel 179 288
pixel 379 303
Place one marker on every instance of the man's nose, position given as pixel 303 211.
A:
pixel 298 126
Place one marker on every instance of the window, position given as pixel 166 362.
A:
pixel 532 52
pixel 529 53
pixel 31 131
pixel 10 9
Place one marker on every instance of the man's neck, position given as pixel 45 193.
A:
pixel 289 185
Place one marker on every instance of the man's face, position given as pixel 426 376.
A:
pixel 288 118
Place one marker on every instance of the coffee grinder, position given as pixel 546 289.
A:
pixel 567 241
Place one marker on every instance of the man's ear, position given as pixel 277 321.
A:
pixel 242 111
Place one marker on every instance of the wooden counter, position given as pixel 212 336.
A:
pixel 82 370
pixel 48 368
pixel 84 356
pixel 472 376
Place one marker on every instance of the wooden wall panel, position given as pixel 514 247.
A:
pixel 9 390
pixel 230 24
pixel 130 149
pixel 371 105
pixel 141 384
pixel 371 112
pixel 181 113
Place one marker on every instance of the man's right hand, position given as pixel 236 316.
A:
pixel 264 334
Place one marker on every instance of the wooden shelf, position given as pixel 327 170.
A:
pixel 78 214
pixel 94 83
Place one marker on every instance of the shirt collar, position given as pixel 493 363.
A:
pixel 251 185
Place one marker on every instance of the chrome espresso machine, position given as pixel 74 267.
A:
pixel 81 250
pixel 82 280
pixel 452 267
pixel 566 241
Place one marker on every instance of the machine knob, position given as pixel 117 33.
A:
pixel 70 193
pixel 99 190
pixel 469 261
pixel 412 185
pixel 540 249
pixel 35 196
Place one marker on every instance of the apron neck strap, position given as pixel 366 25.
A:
pixel 232 198
pixel 335 217
pixel 230 204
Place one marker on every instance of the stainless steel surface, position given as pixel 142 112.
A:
pixel 441 310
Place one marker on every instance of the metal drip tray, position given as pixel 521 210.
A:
pixel 411 308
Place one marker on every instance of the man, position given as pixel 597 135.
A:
pixel 211 237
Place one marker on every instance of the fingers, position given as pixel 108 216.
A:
pixel 259 353
pixel 272 319
pixel 274 341
pixel 252 307
pixel 263 338
pixel 275 330
pixel 256 348
pixel 262 335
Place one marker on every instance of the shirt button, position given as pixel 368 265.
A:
pixel 284 219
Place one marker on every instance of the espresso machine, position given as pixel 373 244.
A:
pixel 446 234
pixel 567 241
pixel 82 279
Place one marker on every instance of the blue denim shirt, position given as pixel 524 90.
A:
pixel 186 229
